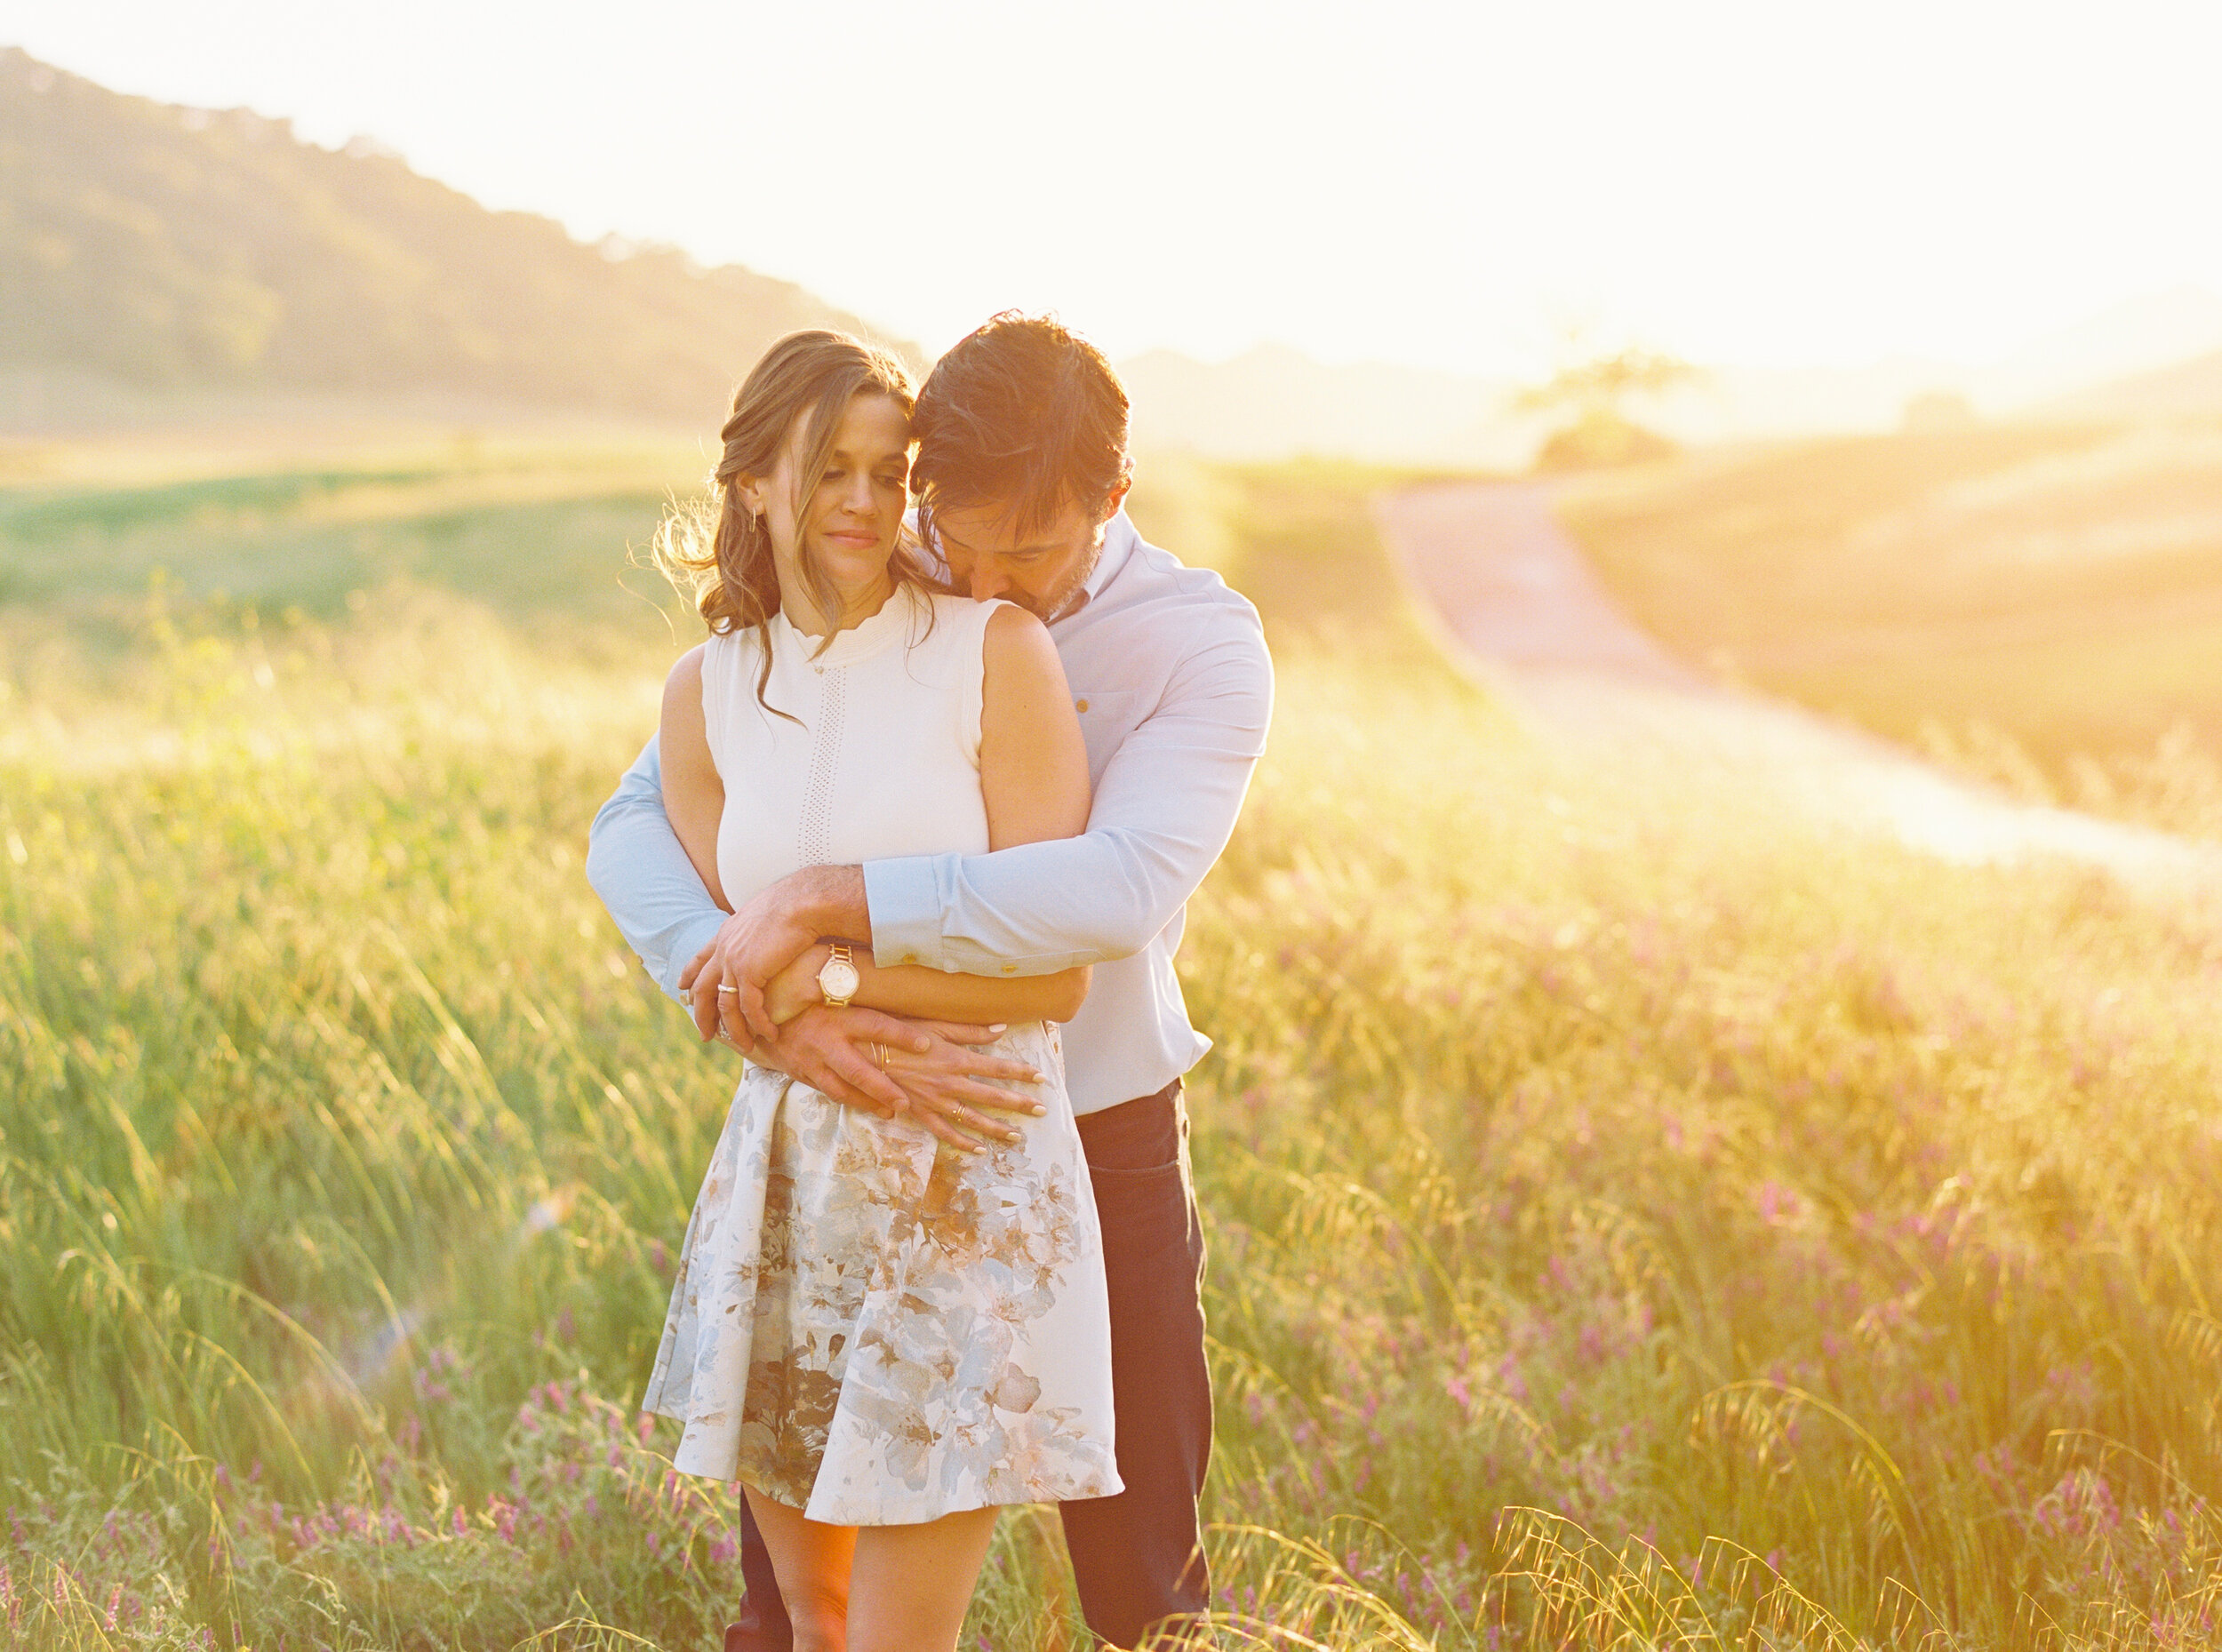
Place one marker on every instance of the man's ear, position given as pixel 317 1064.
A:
pixel 1111 501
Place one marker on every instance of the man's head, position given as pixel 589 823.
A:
pixel 1021 431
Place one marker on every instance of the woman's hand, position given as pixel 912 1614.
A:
pixel 948 1088
pixel 795 988
pixel 925 1070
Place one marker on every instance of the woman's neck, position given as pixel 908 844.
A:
pixel 857 607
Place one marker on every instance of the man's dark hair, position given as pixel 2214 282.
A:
pixel 1024 416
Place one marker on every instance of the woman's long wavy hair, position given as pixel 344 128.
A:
pixel 716 550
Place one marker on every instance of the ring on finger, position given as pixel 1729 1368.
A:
pixel 727 986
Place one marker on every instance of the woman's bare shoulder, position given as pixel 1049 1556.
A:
pixel 1015 634
pixel 686 672
pixel 1019 658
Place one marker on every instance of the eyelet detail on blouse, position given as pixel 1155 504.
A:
pixel 825 764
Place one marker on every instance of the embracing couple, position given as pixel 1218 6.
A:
pixel 939 781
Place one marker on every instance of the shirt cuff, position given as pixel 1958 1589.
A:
pixel 903 899
pixel 686 941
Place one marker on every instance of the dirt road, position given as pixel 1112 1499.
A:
pixel 1516 595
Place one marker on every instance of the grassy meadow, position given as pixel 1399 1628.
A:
pixel 1637 1219
pixel 2041 604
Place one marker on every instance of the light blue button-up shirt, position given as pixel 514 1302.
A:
pixel 1170 674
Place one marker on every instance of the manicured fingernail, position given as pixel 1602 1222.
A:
pixel 1037 1110
pixel 1036 1078
pixel 999 1026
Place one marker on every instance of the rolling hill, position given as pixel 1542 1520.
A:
pixel 2188 390
pixel 166 247
pixel 2154 356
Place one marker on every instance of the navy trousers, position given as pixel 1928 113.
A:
pixel 1138 1557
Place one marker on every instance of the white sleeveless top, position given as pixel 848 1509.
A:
pixel 883 758
pixel 901 1331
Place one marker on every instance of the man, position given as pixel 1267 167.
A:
pixel 1021 472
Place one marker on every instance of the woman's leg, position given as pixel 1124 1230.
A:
pixel 912 1584
pixel 813 1561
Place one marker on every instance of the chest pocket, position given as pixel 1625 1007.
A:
pixel 1106 718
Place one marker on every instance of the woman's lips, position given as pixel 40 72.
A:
pixel 857 538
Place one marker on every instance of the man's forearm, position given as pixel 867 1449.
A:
pixel 1035 909
pixel 636 865
pixel 829 900
pixel 1164 807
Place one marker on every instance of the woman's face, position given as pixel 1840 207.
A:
pixel 849 524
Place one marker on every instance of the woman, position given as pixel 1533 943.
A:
pixel 883 1340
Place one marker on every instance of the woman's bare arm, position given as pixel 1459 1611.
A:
pixel 694 795
pixel 1032 764
pixel 1034 777
pixel 926 995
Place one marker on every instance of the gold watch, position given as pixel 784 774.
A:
pixel 837 979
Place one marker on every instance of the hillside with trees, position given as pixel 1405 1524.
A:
pixel 172 248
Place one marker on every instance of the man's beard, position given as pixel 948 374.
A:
pixel 1066 598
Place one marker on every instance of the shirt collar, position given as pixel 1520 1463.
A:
pixel 1119 541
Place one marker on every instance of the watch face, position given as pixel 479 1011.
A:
pixel 838 979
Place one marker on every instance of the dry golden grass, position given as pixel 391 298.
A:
pixel 1637 1217
pixel 2060 586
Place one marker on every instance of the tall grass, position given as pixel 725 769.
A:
pixel 1637 1220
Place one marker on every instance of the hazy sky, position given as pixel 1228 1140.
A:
pixel 1779 182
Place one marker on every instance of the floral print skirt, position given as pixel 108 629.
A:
pixel 878 1330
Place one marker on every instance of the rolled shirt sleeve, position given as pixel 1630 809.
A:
pixel 636 865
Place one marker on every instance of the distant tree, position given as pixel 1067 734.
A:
pixel 1593 390
pixel 1602 383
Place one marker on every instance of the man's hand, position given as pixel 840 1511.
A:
pixel 768 933
pixel 839 1051
pixel 927 1070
